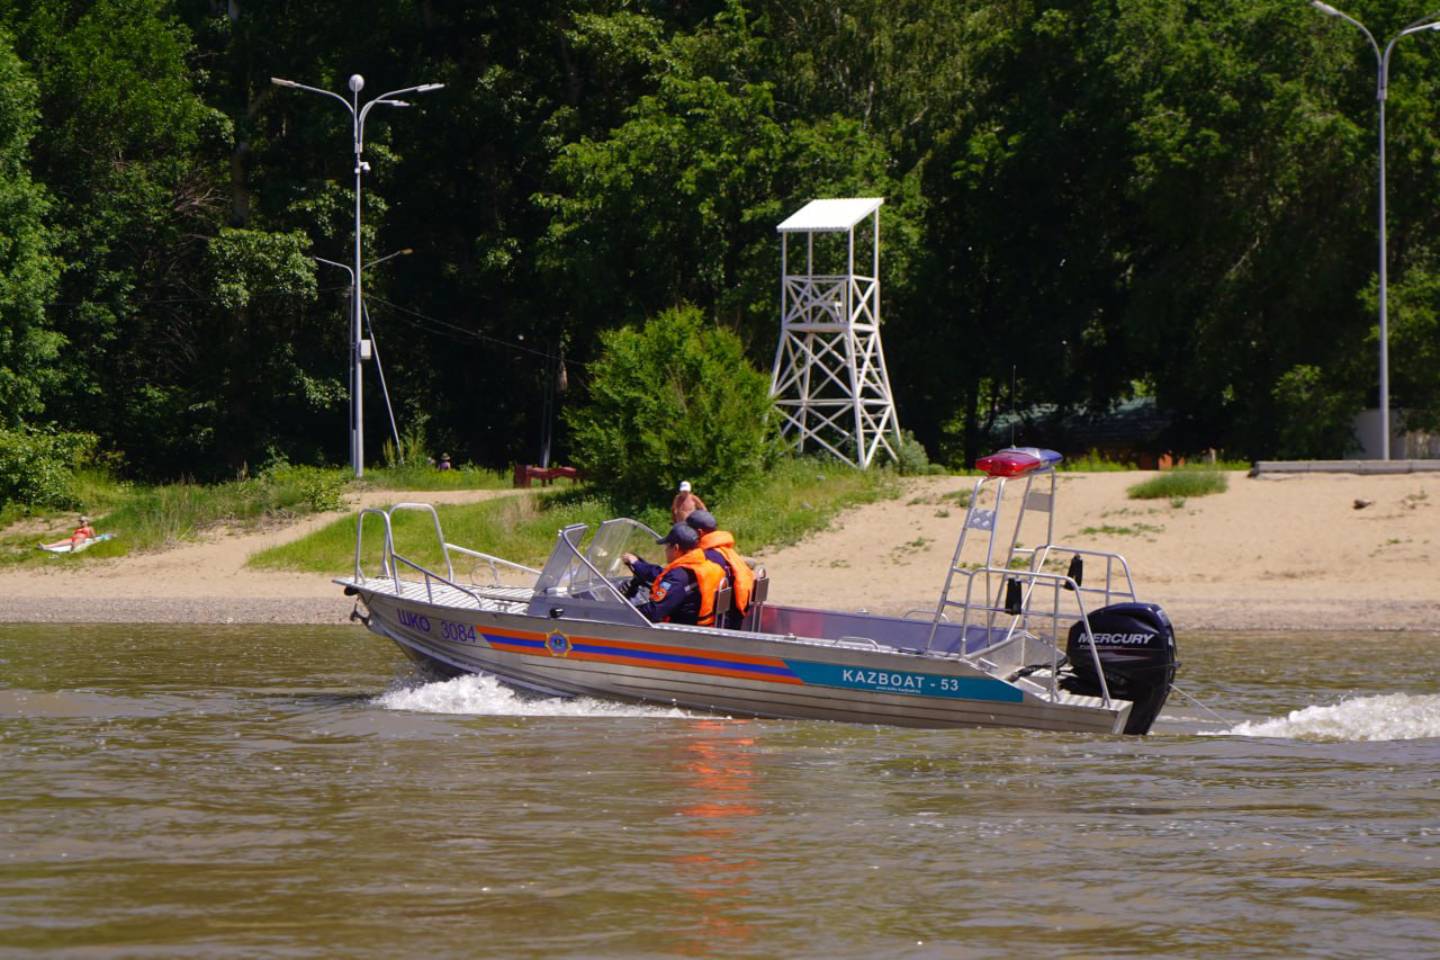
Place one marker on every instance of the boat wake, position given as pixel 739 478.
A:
pixel 1395 716
pixel 485 696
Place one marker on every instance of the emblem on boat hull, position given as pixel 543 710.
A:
pixel 558 644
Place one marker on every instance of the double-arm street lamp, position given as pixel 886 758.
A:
pixel 358 113
pixel 1382 82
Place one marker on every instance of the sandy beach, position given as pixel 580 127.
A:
pixel 1279 551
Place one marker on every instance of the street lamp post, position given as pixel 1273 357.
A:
pixel 374 344
pixel 1382 83
pixel 357 117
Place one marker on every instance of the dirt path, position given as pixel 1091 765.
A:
pixel 1279 552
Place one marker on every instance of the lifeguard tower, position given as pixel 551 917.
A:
pixel 829 379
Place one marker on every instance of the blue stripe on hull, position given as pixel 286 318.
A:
pixel 698 661
pixel 599 648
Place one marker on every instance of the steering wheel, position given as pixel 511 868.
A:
pixel 632 587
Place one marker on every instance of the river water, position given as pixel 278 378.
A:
pixel 296 792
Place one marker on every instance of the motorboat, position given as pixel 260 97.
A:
pixel 1045 637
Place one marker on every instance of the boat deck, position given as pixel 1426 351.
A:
pixel 1038 683
pixel 497 599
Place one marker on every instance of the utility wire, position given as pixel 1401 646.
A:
pixel 462 330
pixel 443 325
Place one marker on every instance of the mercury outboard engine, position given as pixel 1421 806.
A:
pixel 1136 646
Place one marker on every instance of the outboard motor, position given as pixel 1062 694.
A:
pixel 1136 646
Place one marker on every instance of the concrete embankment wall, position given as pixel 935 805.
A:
pixel 1345 466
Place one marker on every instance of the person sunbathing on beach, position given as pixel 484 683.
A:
pixel 83 537
pixel 83 532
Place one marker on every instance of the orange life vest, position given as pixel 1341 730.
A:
pixel 723 542
pixel 708 575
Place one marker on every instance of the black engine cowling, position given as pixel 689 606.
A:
pixel 1136 647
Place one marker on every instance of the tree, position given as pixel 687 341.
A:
pixel 680 201
pixel 128 150
pixel 1084 201
pixel 672 400
pixel 28 270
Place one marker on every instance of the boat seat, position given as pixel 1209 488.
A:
pixel 758 593
pixel 724 599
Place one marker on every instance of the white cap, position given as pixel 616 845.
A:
pixel 684 486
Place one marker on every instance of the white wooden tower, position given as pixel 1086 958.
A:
pixel 829 379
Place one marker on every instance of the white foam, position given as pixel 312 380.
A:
pixel 485 696
pixel 1395 716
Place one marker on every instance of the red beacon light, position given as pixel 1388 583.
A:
pixel 1017 461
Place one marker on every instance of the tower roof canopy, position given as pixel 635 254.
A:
pixel 830 216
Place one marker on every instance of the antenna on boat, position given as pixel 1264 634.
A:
pixel 1014 415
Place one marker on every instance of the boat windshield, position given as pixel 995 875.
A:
pixel 616 537
pixel 593 570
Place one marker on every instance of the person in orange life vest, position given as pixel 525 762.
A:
pixel 682 591
pixel 83 532
pixel 719 546
pixel 684 503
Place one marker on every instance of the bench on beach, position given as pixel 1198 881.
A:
pixel 525 473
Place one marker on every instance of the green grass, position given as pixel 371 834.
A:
pixel 1097 462
pixel 151 516
pixel 959 498
pixel 521 528
pixel 1107 530
pixel 1094 462
pixel 1181 483
pixel 147 517
pixel 796 498
pixel 422 476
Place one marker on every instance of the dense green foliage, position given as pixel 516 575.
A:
pixel 673 400
pixel 36 465
pixel 28 344
pixel 1086 201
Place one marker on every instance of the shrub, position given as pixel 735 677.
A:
pixel 414 448
pixel 1180 483
pixel 37 466
pixel 911 458
pixel 674 400
pixel 1095 462
pixel 1314 418
pixel 319 489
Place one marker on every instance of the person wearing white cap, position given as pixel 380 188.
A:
pixel 685 503
pixel 83 532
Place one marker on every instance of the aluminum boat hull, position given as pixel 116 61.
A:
pixel 728 672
